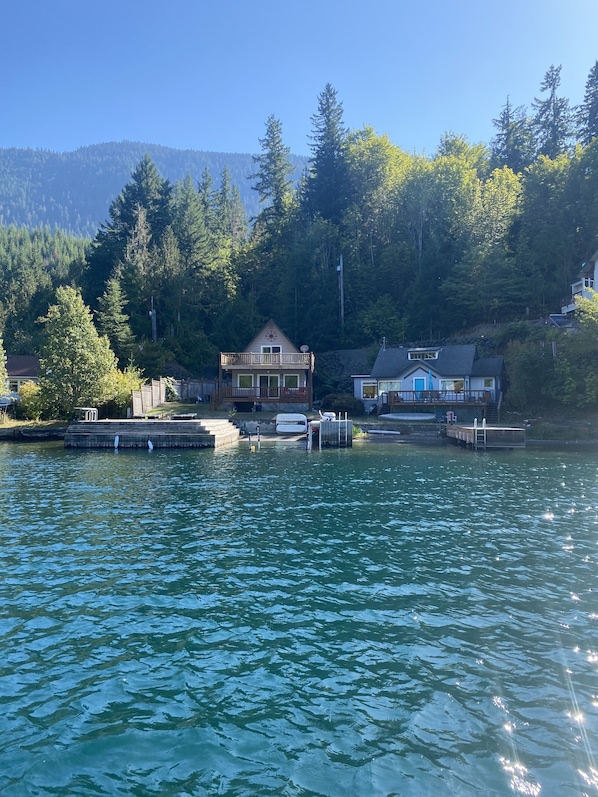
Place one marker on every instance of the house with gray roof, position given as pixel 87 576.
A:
pixel 433 381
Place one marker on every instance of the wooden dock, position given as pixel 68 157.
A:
pixel 481 437
pixel 210 433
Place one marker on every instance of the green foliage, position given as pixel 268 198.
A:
pixel 530 367
pixel 3 371
pixel 77 364
pixel 30 405
pixel 343 403
pixel 120 385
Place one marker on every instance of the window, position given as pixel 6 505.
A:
pixel 270 349
pixel 421 354
pixel 369 390
pixel 245 380
pixel 488 382
pixel 452 385
pixel 385 387
pixel 291 380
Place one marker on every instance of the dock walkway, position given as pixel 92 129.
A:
pixel 483 437
pixel 208 433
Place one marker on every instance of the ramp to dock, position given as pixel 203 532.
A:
pixel 208 433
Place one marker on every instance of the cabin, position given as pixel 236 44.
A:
pixel 270 373
pixel 434 381
pixel 21 368
pixel 585 283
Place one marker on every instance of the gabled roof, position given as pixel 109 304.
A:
pixel 488 366
pixel 278 338
pixel 22 365
pixel 587 269
pixel 451 361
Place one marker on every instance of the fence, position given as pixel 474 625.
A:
pixel 148 398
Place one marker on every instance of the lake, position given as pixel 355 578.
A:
pixel 382 620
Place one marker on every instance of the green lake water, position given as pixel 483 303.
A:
pixel 384 620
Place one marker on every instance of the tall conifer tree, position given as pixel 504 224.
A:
pixel 326 187
pixel 587 113
pixel 552 118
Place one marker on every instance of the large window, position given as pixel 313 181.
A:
pixel 452 385
pixel 291 380
pixel 369 390
pixel 385 387
pixel 245 380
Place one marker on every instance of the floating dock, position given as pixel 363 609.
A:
pixel 191 433
pixel 483 437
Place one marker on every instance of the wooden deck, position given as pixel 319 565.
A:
pixel 211 433
pixel 483 437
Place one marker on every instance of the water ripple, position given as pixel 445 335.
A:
pixel 376 621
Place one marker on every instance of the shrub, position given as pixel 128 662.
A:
pixel 30 404
pixel 343 402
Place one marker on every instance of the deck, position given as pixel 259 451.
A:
pixel 186 433
pixel 483 437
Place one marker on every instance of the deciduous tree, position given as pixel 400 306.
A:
pixel 76 363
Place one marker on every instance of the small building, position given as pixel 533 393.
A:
pixel 433 381
pixel 21 368
pixel 585 283
pixel 270 373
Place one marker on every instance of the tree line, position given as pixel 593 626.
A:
pixel 371 242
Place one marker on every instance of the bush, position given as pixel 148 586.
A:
pixel 30 404
pixel 341 403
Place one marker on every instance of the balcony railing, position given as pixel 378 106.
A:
pixel 242 359
pixel 289 394
pixel 394 397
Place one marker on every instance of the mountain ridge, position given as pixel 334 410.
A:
pixel 72 190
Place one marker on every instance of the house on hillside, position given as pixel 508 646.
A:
pixel 434 380
pixel 21 368
pixel 270 373
pixel 586 281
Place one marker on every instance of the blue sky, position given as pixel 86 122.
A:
pixel 206 74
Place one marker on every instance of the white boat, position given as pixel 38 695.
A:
pixel 291 423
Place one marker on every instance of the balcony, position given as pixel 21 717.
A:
pixel 583 288
pixel 239 360
pixel 263 394
pixel 411 398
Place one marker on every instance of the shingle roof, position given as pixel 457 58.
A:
pixel 451 361
pixel 21 365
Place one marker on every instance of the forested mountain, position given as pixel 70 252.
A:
pixel 72 191
pixel 430 245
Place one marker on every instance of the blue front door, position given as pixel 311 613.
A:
pixel 419 385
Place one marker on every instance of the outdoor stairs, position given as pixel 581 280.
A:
pixel 208 433
pixel 492 413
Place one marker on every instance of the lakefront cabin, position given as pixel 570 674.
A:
pixel 270 373
pixel 585 283
pixel 433 381
pixel 21 368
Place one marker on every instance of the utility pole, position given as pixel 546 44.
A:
pixel 152 315
pixel 341 292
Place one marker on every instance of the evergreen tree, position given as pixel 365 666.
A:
pixel 513 144
pixel 273 183
pixel 552 118
pixel 147 190
pixel 77 364
pixel 587 113
pixel 326 186
pixel 113 322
